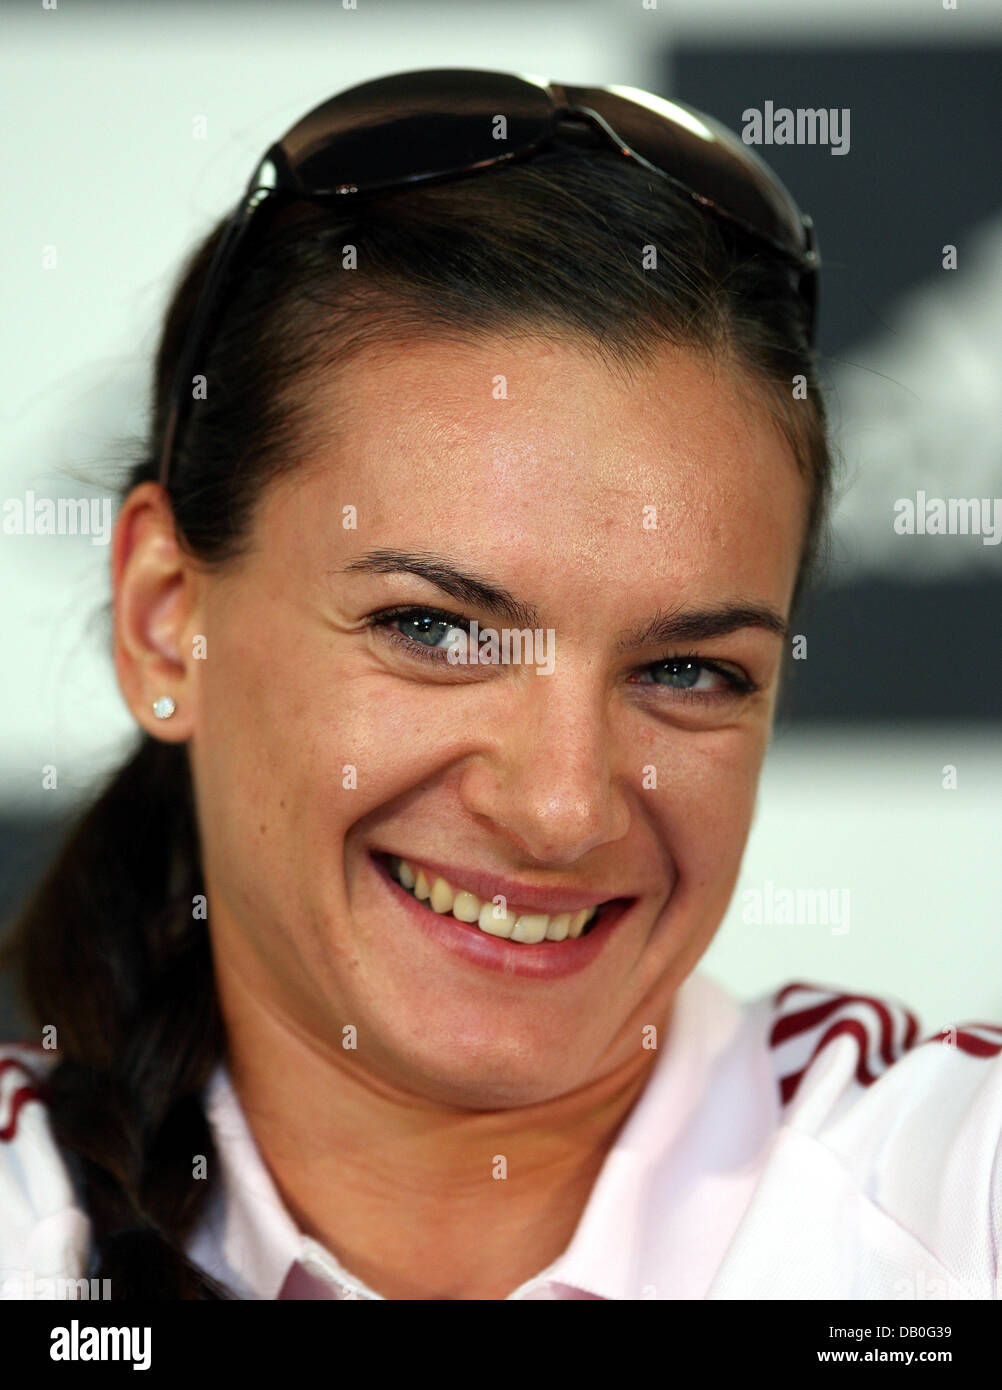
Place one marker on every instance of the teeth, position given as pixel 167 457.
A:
pixel 530 927
pixel 577 922
pixel 466 907
pixel 559 926
pixel 496 924
pixel 442 896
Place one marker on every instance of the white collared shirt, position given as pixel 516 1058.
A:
pixel 804 1145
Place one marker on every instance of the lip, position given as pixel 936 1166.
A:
pixel 520 897
pixel 544 960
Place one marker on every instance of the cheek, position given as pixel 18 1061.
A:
pixel 706 801
pixel 293 746
pixel 263 752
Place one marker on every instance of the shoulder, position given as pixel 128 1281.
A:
pixel 44 1233
pixel 831 1050
pixel 813 1029
pixel 907 1120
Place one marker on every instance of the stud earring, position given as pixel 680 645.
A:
pixel 164 707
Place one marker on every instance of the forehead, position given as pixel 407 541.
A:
pixel 676 467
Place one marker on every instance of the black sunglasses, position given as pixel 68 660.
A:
pixel 448 123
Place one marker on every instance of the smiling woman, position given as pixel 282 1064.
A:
pixel 388 957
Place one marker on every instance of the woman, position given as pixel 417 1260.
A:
pixel 487 465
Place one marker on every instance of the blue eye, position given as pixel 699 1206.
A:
pixel 696 678
pixel 681 674
pixel 426 627
pixel 427 634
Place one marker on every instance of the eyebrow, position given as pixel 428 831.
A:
pixel 677 625
pixel 692 624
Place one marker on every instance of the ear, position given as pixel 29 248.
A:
pixel 156 603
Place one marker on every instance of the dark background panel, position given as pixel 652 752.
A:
pixel 923 164
pixel 897 652
pixel 922 170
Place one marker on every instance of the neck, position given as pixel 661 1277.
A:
pixel 420 1200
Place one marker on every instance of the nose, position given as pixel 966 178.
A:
pixel 548 777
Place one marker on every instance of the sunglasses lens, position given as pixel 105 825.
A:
pixel 706 157
pixel 413 126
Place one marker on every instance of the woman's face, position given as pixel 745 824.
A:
pixel 525 486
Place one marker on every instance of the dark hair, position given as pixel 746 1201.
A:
pixel 108 948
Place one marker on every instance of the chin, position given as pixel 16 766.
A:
pixel 487 1072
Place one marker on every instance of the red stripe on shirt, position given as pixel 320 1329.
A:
pixel 792 1024
pixel 20 1097
pixel 845 1026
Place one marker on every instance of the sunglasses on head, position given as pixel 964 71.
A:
pixel 449 123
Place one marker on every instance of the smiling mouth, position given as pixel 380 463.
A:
pixel 529 928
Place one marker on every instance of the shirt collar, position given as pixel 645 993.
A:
pixel 247 1238
pixel 682 1170
pixel 659 1217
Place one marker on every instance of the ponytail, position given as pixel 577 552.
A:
pixel 112 956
